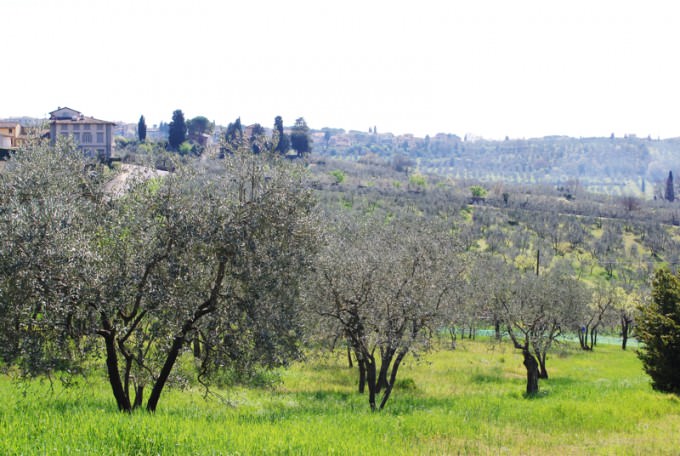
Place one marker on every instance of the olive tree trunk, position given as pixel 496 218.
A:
pixel 532 372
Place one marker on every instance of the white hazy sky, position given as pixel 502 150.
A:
pixel 521 68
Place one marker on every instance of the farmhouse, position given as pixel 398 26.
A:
pixel 11 136
pixel 93 136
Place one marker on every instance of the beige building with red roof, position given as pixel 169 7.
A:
pixel 93 136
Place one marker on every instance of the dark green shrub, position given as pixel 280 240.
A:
pixel 658 329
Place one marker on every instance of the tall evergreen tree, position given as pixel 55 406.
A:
pixel 234 131
pixel 280 140
pixel 233 137
pixel 299 138
pixel 141 129
pixel 177 133
pixel 257 140
pixel 670 192
pixel 658 328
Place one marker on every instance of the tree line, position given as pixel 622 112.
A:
pixel 189 136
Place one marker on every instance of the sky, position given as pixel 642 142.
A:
pixel 490 68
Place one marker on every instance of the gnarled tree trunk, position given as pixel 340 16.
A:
pixel 109 335
pixel 532 372
pixel 385 363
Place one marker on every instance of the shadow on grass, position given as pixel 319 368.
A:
pixel 491 377
pixel 559 382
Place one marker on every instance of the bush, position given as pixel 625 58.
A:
pixel 185 148
pixel 658 329
pixel 338 175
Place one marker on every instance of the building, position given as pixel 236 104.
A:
pixel 93 136
pixel 11 136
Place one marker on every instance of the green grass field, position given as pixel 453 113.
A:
pixel 467 401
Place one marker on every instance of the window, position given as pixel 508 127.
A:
pixel 87 138
pixel 76 127
pixel 100 137
pixel 76 136
pixel 64 127
pixel 100 127
pixel 86 127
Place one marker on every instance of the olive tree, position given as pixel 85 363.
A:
pixel 384 286
pixel 626 309
pixel 213 260
pixel 535 310
pixel 606 298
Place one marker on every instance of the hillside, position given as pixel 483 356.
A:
pixel 616 166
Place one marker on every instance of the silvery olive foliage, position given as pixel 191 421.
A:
pixel 384 286
pixel 535 310
pixel 189 260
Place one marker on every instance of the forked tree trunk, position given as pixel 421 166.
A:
pixel 587 337
pixel 452 333
pixel 385 363
pixel 393 378
pixel 182 338
pixel 532 372
pixel 593 337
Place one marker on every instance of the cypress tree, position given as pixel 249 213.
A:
pixel 141 129
pixel 177 132
pixel 670 192
pixel 658 329
pixel 280 140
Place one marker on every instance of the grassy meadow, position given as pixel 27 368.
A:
pixel 467 401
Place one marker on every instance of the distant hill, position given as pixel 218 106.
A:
pixel 25 121
pixel 618 166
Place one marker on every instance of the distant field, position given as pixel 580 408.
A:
pixel 467 401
